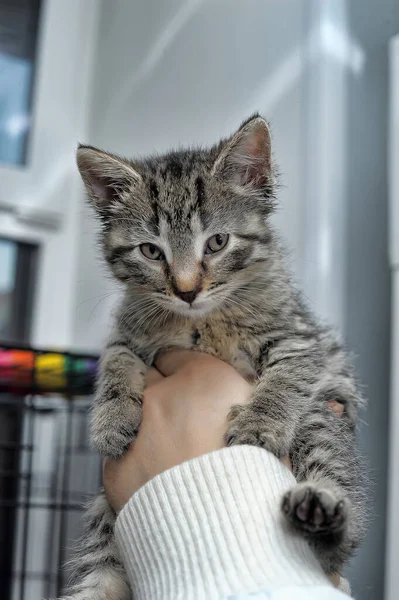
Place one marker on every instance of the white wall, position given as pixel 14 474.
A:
pixel 187 72
pixel 40 202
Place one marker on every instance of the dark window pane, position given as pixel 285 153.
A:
pixel 17 277
pixel 8 261
pixel 18 42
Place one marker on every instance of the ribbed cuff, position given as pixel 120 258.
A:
pixel 212 527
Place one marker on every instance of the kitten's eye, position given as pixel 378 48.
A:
pixel 152 252
pixel 216 242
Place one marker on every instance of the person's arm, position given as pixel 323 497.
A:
pixel 210 526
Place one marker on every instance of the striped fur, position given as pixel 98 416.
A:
pixel 246 312
pixel 98 573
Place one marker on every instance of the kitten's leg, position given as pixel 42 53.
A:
pixel 271 418
pixel 328 505
pixel 98 573
pixel 286 416
pixel 116 413
pixel 292 370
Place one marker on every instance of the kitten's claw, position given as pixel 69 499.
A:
pixel 311 508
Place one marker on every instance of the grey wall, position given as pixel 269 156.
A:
pixel 368 286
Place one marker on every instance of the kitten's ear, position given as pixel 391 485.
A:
pixel 245 159
pixel 105 175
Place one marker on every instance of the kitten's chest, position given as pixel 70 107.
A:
pixel 229 342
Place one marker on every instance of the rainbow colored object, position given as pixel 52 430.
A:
pixel 35 370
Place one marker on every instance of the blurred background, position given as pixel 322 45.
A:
pixel 135 76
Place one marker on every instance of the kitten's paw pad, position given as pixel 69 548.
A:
pixel 247 428
pixel 315 510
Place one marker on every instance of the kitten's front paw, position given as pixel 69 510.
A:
pixel 315 509
pixel 247 427
pixel 113 444
pixel 115 425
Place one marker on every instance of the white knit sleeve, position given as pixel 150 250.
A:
pixel 212 528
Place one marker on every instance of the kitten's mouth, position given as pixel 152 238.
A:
pixel 195 309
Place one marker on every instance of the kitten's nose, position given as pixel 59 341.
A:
pixel 188 297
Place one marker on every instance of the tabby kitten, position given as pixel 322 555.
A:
pixel 188 234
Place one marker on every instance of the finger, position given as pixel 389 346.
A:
pixel 286 461
pixel 108 466
pixel 153 376
pixel 172 361
pixel 335 579
pixel 336 407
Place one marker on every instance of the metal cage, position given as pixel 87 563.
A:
pixel 47 469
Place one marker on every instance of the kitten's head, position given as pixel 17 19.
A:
pixel 187 229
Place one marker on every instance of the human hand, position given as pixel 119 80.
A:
pixel 185 406
pixel 186 402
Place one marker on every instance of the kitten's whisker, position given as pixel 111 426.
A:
pixel 146 309
pixel 105 295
